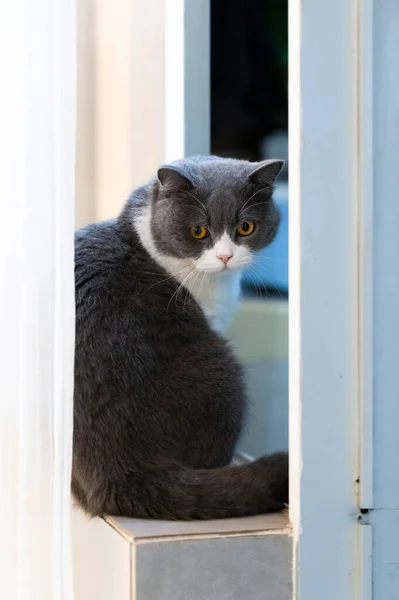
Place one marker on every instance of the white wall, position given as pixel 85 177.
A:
pixel 37 305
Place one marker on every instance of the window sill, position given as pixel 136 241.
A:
pixel 121 559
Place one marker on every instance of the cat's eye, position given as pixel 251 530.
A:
pixel 198 232
pixel 246 228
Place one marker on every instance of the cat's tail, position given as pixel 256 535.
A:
pixel 185 494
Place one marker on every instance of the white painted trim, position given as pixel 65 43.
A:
pixel 365 200
pixel 197 73
pixel 365 562
pixel 294 141
pixel 187 78
pixel 324 307
pixel 174 80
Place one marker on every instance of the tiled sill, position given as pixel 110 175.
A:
pixel 229 559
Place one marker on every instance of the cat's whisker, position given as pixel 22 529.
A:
pixel 187 287
pixel 193 208
pixel 204 275
pixel 243 263
pixel 252 275
pixel 191 287
pixel 175 294
pixel 167 278
pixel 198 200
pixel 278 291
pixel 260 259
pixel 255 194
pixel 268 269
pixel 253 279
pixel 162 274
pixel 244 210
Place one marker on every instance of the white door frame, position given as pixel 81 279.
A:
pixel 344 298
pixel 330 295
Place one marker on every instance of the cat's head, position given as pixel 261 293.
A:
pixel 216 212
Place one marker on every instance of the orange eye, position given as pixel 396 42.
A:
pixel 198 232
pixel 246 228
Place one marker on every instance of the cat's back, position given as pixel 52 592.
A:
pixel 109 289
pixel 99 250
pixel 109 269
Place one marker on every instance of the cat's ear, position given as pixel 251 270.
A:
pixel 266 172
pixel 172 180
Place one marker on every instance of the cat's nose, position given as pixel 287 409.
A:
pixel 224 258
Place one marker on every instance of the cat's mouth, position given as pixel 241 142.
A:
pixel 222 268
pixel 224 261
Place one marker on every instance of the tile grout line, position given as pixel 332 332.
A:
pixel 287 531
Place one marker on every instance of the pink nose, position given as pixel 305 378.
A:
pixel 224 258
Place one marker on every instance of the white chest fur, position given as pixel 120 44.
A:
pixel 218 296
pixel 216 293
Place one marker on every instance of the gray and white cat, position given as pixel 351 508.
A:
pixel 159 397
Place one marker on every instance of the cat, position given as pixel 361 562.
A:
pixel 159 399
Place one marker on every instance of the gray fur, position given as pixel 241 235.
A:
pixel 159 397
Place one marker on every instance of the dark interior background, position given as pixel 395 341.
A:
pixel 249 78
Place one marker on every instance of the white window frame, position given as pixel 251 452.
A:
pixel 328 215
